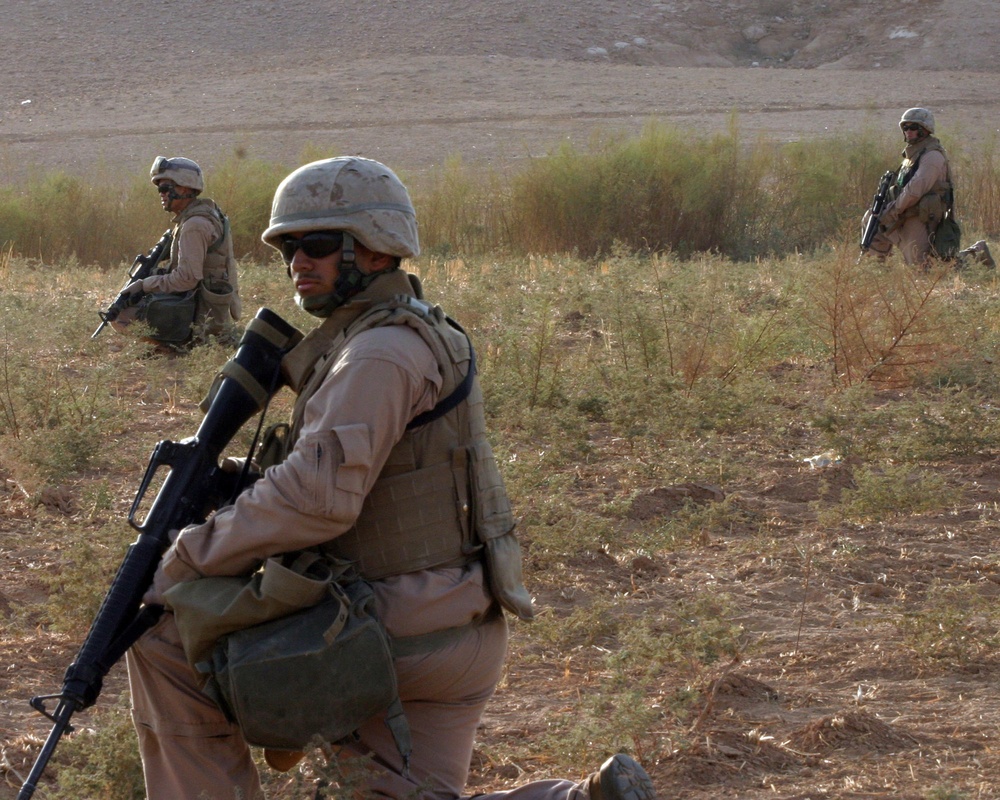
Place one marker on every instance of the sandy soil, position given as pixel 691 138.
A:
pixel 92 85
pixel 819 710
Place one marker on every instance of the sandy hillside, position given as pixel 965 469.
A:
pixel 91 84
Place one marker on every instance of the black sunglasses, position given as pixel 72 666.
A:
pixel 164 187
pixel 910 126
pixel 315 245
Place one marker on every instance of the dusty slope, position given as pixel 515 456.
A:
pixel 89 83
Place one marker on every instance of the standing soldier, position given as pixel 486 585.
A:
pixel 387 437
pixel 921 195
pixel 194 293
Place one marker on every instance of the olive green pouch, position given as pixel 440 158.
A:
pixel 169 315
pixel 947 239
pixel 207 609
pixel 291 654
pixel 493 524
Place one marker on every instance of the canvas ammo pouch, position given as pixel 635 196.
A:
pixel 292 653
pixel 947 239
pixel 493 521
pixel 169 315
pixel 214 301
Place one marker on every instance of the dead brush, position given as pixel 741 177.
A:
pixel 952 624
pixel 881 323
pixel 101 759
pixel 689 320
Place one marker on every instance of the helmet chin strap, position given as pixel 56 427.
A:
pixel 350 281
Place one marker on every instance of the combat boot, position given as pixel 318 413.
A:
pixel 620 778
pixel 979 253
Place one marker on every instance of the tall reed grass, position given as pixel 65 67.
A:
pixel 665 190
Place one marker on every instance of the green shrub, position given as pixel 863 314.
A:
pixel 101 759
pixel 666 190
pixel 892 491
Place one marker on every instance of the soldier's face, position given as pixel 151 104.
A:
pixel 172 197
pixel 913 132
pixel 313 260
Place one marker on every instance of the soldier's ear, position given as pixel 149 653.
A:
pixel 370 261
pixel 381 261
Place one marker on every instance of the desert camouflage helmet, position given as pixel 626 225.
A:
pixel 182 171
pixel 921 116
pixel 356 195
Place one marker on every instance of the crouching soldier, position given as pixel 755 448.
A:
pixel 919 217
pixel 193 291
pixel 385 468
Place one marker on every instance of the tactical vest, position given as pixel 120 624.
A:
pixel 939 199
pixel 218 296
pixel 439 500
pixel 219 257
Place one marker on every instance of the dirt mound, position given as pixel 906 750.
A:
pixel 734 686
pixel 727 756
pixel 811 485
pixel 665 500
pixel 853 729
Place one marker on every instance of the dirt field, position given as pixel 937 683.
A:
pixel 88 85
pixel 819 709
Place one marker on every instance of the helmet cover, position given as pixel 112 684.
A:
pixel 182 171
pixel 356 195
pixel 921 116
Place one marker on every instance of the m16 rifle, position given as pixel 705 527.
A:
pixel 195 485
pixel 877 207
pixel 142 267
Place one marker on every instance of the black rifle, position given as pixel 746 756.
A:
pixel 194 486
pixel 142 267
pixel 878 206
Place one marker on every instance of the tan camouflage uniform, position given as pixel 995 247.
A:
pixel 196 229
pixel 917 208
pixel 371 386
pixel 201 255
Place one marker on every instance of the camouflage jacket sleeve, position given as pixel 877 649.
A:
pixel 932 170
pixel 193 240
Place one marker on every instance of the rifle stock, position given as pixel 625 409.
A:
pixel 190 491
pixel 142 267
pixel 877 207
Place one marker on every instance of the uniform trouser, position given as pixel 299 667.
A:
pixel 189 750
pixel 911 237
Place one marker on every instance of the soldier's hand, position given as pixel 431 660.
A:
pixel 231 480
pixel 234 464
pixel 133 293
pixel 889 218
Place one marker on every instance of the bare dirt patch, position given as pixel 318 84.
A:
pixel 90 86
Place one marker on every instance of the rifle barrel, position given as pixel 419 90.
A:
pixel 60 717
pixel 181 500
